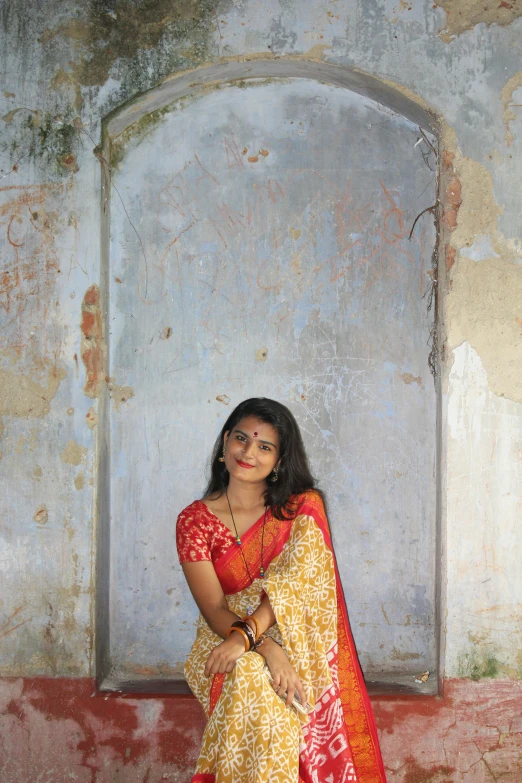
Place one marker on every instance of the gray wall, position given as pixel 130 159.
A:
pixel 65 66
pixel 259 245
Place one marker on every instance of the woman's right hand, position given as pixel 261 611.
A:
pixel 223 657
pixel 283 674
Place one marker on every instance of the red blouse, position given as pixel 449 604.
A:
pixel 200 535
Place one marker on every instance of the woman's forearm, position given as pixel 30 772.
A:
pixel 264 615
pixel 220 620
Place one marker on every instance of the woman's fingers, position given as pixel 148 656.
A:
pixel 289 694
pixel 208 666
pixel 300 690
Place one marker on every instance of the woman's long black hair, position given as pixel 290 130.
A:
pixel 294 475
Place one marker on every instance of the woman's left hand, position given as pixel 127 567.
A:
pixel 223 657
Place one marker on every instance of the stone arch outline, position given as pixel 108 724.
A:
pixel 115 127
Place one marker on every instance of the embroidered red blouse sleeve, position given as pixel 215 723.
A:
pixel 193 537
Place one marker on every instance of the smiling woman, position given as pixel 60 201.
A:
pixel 274 664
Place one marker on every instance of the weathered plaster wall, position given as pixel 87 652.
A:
pixel 64 66
pixel 66 731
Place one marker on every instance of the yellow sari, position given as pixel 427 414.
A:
pixel 251 736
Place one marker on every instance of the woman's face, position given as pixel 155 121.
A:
pixel 251 450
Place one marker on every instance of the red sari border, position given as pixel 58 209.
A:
pixel 356 706
pixel 230 567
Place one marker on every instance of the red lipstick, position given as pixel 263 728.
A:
pixel 243 464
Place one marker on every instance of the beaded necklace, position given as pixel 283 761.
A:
pixel 240 545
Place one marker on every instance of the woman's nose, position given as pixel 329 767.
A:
pixel 249 448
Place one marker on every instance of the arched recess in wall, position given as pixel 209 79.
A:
pixel 256 242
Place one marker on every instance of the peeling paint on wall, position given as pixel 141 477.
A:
pixel 41 516
pixel 119 394
pixel 462 15
pixel 478 211
pixel 79 481
pixel 484 308
pixel 93 349
pixel 91 417
pixel 23 397
pixel 506 97
pixel 73 453
pixel 483 298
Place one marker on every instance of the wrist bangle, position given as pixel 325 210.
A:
pixel 254 620
pixel 243 634
pixel 240 625
pixel 260 641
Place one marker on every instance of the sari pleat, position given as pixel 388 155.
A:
pixel 251 736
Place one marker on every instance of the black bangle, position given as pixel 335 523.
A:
pixel 247 630
pixel 260 641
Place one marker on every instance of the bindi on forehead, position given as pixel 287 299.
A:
pixel 255 434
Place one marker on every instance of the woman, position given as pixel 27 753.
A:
pixel 273 664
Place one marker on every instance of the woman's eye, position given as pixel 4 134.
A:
pixel 240 437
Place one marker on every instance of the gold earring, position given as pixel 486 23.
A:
pixel 222 459
pixel 276 475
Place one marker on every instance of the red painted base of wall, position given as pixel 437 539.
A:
pixel 61 730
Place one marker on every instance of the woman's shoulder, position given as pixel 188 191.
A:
pixel 195 511
pixel 311 500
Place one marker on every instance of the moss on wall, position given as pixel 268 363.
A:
pixel 54 139
pixel 150 38
pixel 478 665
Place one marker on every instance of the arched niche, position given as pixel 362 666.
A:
pixel 256 242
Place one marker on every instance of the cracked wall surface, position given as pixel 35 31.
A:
pixel 64 66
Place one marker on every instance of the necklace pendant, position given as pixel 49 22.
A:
pixel 262 572
pixel 238 541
